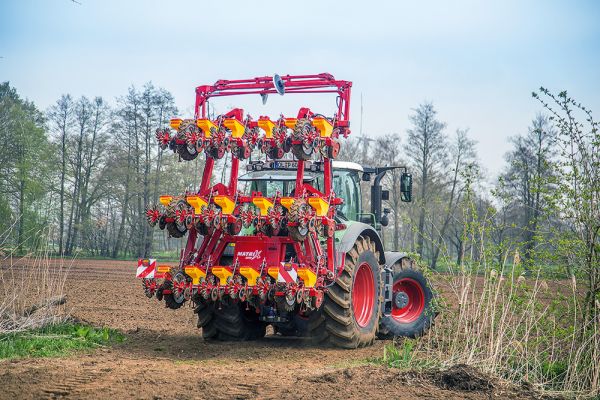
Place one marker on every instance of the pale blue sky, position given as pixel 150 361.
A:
pixel 477 61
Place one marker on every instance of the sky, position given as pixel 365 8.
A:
pixel 477 61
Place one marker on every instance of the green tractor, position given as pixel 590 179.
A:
pixel 380 293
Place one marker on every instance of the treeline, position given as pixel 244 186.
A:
pixel 524 209
pixel 83 172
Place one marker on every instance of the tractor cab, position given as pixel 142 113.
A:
pixel 278 177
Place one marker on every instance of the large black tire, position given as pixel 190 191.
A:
pixel 206 320
pixel 352 305
pixel 229 322
pixel 313 327
pixel 310 327
pixel 417 314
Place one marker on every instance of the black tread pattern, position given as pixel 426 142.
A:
pixel 341 327
pixel 206 320
pixel 184 152
pixel 312 327
pixel 229 322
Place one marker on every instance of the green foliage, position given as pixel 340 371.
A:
pixel 402 355
pixel 56 340
pixel 25 164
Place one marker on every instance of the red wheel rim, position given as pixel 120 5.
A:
pixel 416 300
pixel 363 294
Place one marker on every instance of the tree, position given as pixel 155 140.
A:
pixel 576 197
pixel 529 177
pixel 24 160
pixel 464 165
pixel 93 170
pixel 135 154
pixel 60 117
pixel 426 148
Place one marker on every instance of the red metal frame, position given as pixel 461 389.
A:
pixel 310 255
pixel 319 83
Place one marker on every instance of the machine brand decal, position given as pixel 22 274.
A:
pixel 250 255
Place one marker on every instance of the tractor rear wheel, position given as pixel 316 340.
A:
pixel 412 303
pixel 352 305
pixel 229 322
pixel 309 326
pixel 206 320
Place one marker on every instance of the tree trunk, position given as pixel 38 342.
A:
pixel 63 171
pixel 21 214
pixel 421 228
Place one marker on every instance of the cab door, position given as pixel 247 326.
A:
pixel 346 184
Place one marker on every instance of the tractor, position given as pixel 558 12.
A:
pixel 286 242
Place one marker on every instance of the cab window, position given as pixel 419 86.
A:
pixel 345 185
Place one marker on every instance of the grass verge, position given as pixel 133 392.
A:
pixel 56 340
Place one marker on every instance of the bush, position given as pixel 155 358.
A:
pixel 55 340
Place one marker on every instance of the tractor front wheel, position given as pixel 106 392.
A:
pixel 412 303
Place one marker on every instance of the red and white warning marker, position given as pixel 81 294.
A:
pixel 146 268
pixel 288 273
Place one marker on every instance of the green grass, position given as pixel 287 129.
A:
pixel 547 271
pixel 402 356
pixel 56 340
pixel 160 256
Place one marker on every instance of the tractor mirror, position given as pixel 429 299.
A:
pixel 385 195
pixel 385 220
pixel 366 177
pixel 406 187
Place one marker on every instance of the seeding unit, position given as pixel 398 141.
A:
pixel 290 251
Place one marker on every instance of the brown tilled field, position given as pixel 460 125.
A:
pixel 164 357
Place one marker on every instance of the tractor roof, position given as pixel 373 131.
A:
pixel 282 170
pixel 274 175
pixel 347 165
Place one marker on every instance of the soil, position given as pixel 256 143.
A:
pixel 164 357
